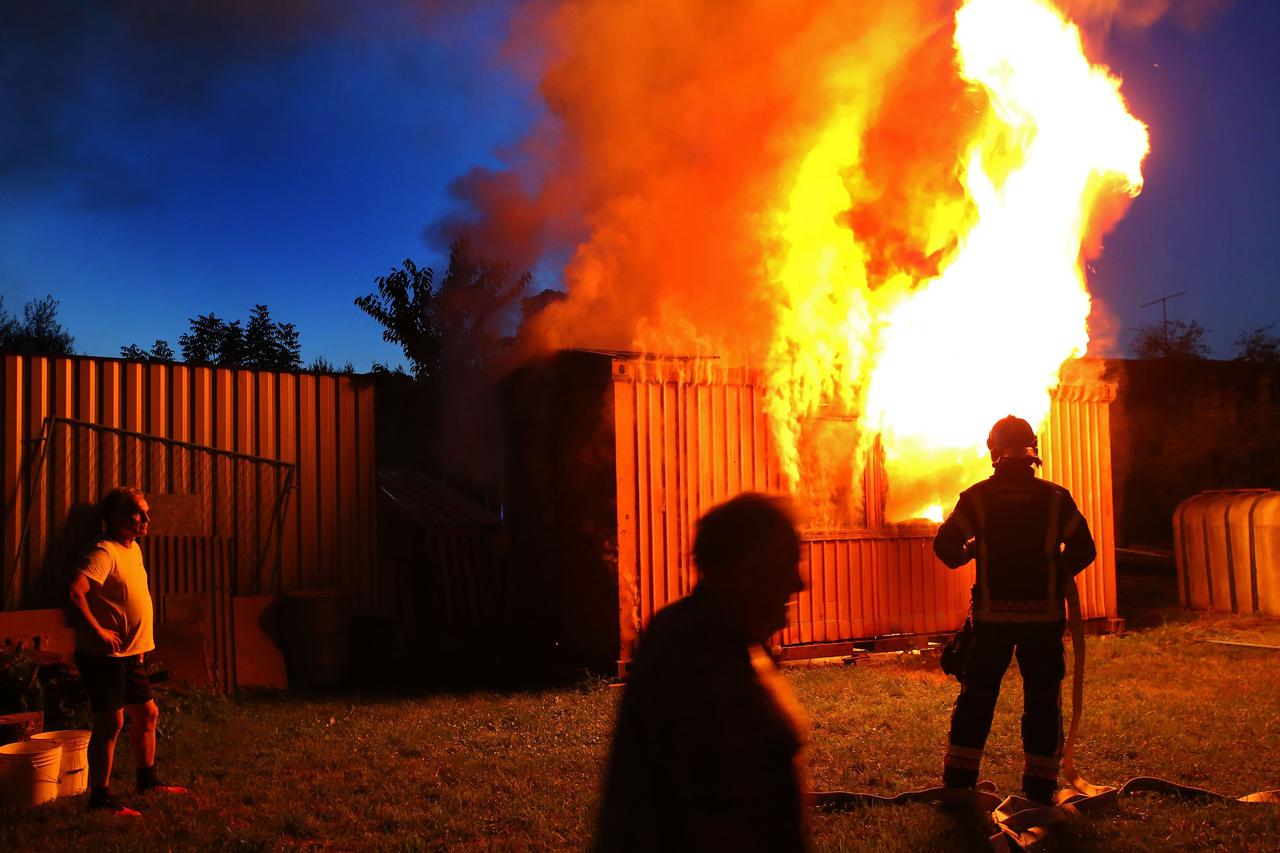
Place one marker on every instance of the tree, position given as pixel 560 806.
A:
pixel 455 326
pixel 160 351
pixel 1258 346
pixel 261 344
pixel 38 332
pixel 268 345
pixel 404 307
pixel 1174 339
pixel 320 364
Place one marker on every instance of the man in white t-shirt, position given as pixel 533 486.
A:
pixel 113 637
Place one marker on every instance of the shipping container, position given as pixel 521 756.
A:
pixel 613 456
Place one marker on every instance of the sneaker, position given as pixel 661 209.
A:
pixel 112 806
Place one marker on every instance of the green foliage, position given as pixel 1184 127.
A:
pixel 1258 345
pixel 259 343
pixel 38 332
pixel 453 327
pixel 1175 339
pixel 380 369
pixel 160 351
pixel 320 364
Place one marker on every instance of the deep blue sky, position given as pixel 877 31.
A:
pixel 156 166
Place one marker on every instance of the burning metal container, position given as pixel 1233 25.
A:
pixel 613 457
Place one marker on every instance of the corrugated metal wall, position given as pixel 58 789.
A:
pixel 1076 446
pixel 691 434
pixel 213 448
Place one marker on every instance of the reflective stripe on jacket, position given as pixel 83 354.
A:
pixel 1028 538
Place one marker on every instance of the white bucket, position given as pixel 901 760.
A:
pixel 75 759
pixel 29 772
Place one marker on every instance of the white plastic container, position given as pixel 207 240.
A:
pixel 1227 550
pixel 29 772
pixel 74 770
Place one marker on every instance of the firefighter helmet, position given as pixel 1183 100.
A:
pixel 1013 438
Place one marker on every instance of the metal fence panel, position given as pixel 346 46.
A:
pixel 71 428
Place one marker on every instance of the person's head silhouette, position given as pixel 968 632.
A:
pixel 747 553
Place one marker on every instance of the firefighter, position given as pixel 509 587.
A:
pixel 1029 540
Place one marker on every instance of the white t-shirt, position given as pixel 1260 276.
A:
pixel 118 598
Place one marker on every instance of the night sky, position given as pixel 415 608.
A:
pixel 155 165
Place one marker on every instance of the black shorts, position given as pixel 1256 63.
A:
pixel 113 683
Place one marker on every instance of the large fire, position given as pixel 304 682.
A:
pixel 884 205
pixel 927 364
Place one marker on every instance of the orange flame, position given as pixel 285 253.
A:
pixel 926 362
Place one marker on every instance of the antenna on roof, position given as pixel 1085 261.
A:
pixel 1164 312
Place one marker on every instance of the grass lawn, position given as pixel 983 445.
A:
pixel 522 770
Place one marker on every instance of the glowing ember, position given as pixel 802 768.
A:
pixel 928 362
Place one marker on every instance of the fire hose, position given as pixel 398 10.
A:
pixel 1020 823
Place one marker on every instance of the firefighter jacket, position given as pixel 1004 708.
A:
pixel 1029 540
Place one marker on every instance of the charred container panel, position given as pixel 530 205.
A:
pixel 560 507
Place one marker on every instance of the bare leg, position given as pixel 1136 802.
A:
pixel 102 746
pixel 142 732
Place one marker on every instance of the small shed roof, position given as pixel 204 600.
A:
pixel 426 501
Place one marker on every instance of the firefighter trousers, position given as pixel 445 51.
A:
pixel 1038 647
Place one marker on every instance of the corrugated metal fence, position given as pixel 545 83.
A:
pixel 278 467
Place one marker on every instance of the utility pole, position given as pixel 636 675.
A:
pixel 1164 314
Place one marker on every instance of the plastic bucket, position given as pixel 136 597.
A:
pixel 29 772
pixel 75 759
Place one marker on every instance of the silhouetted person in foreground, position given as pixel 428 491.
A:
pixel 1030 541
pixel 709 748
pixel 113 637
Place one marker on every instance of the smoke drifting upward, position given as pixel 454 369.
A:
pixel 677 130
